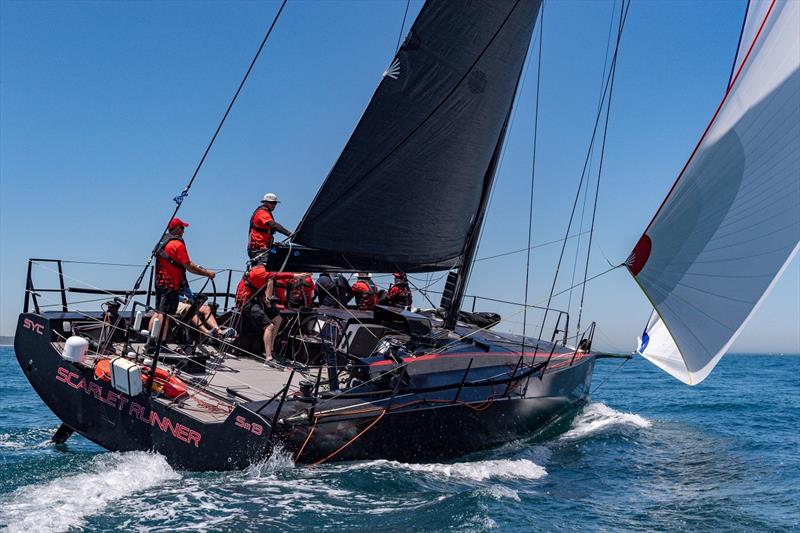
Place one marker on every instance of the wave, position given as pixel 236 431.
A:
pixel 499 492
pixel 277 461
pixel 471 471
pixel 64 502
pixel 26 439
pixel 599 419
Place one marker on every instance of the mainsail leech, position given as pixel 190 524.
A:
pixel 731 223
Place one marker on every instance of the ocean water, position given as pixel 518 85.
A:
pixel 647 454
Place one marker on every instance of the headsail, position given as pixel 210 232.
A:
pixel 405 192
pixel 731 223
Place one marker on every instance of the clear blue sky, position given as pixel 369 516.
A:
pixel 107 107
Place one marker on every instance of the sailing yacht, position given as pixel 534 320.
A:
pixel 421 385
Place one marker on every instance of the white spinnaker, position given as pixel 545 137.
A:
pixel 756 11
pixel 731 223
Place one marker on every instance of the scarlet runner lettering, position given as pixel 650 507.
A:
pixel 135 410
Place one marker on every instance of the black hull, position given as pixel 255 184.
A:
pixel 410 428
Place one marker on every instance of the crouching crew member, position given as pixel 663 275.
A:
pixel 172 262
pixel 263 227
pixel 294 290
pixel 365 291
pixel 300 291
pixel 253 299
pixel 333 290
pixel 399 294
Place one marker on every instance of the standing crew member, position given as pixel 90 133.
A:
pixel 263 227
pixel 399 294
pixel 172 262
pixel 333 290
pixel 365 291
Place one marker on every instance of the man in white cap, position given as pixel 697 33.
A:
pixel 263 227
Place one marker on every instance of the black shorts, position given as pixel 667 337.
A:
pixel 259 314
pixel 167 301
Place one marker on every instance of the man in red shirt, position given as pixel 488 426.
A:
pixel 399 294
pixel 172 262
pixel 365 292
pixel 253 299
pixel 263 227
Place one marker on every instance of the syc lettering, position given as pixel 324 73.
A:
pixel 135 410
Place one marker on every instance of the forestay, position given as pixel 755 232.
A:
pixel 731 223
pixel 405 192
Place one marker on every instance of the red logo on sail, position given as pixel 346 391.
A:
pixel 639 255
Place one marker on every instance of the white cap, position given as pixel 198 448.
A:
pixel 270 197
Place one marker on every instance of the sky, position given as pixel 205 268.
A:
pixel 106 108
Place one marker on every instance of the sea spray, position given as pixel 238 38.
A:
pixel 598 418
pixel 64 502
pixel 467 471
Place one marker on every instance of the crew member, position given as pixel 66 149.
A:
pixel 294 290
pixel 399 294
pixel 300 292
pixel 172 262
pixel 253 299
pixel 365 291
pixel 333 290
pixel 204 319
pixel 263 227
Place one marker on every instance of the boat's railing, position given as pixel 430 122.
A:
pixel 64 288
pixel 559 316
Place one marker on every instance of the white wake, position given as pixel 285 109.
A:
pixel 471 471
pixel 64 502
pixel 598 418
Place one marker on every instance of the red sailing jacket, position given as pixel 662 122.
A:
pixel 172 258
pixel 253 280
pixel 261 234
pixel 366 293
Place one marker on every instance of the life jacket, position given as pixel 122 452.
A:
pixel 243 296
pixel 270 231
pixel 300 293
pixel 399 294
pixel 366 301
pixel 161 251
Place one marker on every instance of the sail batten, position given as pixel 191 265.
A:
pixel 405 192
pixel 730 225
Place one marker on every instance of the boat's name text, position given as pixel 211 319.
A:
pixel 135 409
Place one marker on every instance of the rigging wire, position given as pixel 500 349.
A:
pixel 179 199
pixel 535 246
pixel 533 175
pixel 583 173
pixel 586 188
pixel 402 27
pixel 622 16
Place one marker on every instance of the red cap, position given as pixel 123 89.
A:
pixel 176 222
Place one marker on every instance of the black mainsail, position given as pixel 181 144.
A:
pixel 408 190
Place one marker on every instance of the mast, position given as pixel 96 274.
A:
pixel 456 285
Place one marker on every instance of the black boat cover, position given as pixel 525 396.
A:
pixel 405 192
